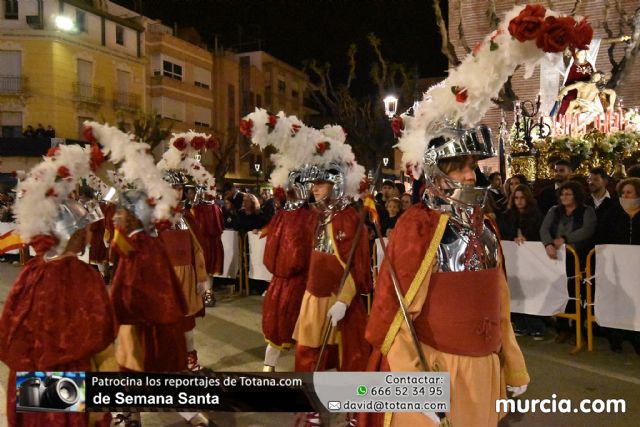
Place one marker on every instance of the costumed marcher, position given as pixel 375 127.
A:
pixel 100 231
pixel 445 251
pixel 209 226
pixel 57 315
pixel 146 294
pixel 289 234
pixel 187 259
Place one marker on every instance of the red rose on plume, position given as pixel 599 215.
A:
pixel 460 93
pixel 295 128
pixel 180 143
pixel 476 48
pixel 582 35
pixel 50 193
pixel 321 147
pixel 528 24
pixel 87 134
pixel 397 125
pixel 14 174
pixel 53 151
pixel 245 127
pixel 557 34
pixel 364 185
pixel 196 167
pixel 271 123
pixel 197 142
pixel 151 201
pixel 211 143
pixel 63 172
pixel 97 158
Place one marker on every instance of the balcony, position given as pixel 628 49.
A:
pixel 14 85
pixel 88 94
pixel 126 101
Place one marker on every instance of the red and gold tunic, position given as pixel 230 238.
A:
pixel 286 256
pixel 149 305
pixel 462 320
pixel 347 349
pixel 57 317
pixel 209 225
pixel 98 251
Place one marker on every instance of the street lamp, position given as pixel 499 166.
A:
pixel 256 167
pixel 64 23
pixel 385 161
pixel 390 106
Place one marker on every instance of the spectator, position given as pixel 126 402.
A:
pixel 623 228
pixel 40 132
pixel 548 197
pixel 570 222
pixel 232 193
pixel 250 217
pixel 511 183
pixel 599 199
pixel 229 214
pixel 393 207
pixel 50 132
pixel 388 188
pixel 634 171
pixel 399 190
pixel 496 192
pixel 406 201
pixel 520 223
pixel 29 132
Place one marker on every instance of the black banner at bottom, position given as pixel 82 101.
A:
pixel 208 391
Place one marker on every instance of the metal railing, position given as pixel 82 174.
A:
pixel 126 101
pixel 83 92
pixel 13 85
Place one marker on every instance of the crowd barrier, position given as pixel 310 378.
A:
pixel 231 247
pixel 616 303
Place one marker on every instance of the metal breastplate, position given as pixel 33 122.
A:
pixel 180 224
pixel 322 240
pixel 452 251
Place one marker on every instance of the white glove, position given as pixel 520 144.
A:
pixel 201 287
pixel 337 312
pixel 432 416
pixel 517 390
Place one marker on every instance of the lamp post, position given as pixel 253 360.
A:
pixel 256 168
pixel 390 106
pixel 524 122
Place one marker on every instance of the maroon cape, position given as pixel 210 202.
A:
pixel 209 225
pixel 286 256
pixel 56 316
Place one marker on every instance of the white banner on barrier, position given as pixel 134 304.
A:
pixel 538 284
pixel 617 295
pixel 379 252
pixel 231 247
pixel 257 270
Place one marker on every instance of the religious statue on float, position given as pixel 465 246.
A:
pixel 580 71
pixel 591 97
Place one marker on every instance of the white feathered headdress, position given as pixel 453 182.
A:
pixel 181 155
pixel 299 145
pixel 466 95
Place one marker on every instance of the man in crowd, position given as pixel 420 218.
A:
pixel 231 192
pixel 599 199
pixel 548 197
pixel 496 191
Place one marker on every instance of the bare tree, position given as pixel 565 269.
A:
pixel 149 128
pixel 363 117
pixel 225 153
pixel 629 33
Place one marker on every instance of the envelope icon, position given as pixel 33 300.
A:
pixel 334 406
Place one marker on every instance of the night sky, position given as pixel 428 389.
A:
pixel 321 29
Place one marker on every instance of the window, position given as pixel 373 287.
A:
pixel 11 123
pixel 81 21
pixel 201 124
pixel 282 86
pixel 202 85
pixel 172 70
pixel 10 9
pixel 120 35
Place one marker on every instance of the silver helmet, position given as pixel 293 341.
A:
pixel 455 143
pixel 136 202
pixel 333 173
pixel 73 216
pixel 175 177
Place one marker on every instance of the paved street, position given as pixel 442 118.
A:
pixel 229 339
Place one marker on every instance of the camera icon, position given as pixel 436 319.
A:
pixel 52 393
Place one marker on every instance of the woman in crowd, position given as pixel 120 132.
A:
pixel 229 213
pixel 406 201
pixel 511 183
pixel 570 222
pixel 394 208
pixel 623 228
pixel 520 223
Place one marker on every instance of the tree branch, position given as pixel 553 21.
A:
pixel 492 15
pixel 461 36
pixel 447 48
